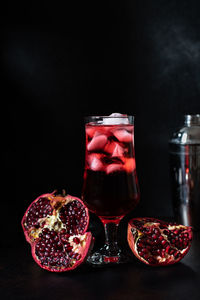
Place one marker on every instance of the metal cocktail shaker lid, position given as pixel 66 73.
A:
pixel 189 134
pixel 192 120
pixel 187 138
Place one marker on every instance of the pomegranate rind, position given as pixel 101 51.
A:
pixel 133 234
pixel 57 202
pixel 84 254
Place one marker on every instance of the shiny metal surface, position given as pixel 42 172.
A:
pixel 184 148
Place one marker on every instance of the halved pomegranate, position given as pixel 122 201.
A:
pixel 55 226
pixel 156 242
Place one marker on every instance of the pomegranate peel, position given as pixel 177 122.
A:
pixel 156 242
pixel 55 226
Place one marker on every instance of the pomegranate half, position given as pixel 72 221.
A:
pixel 55 226
pixel 156 242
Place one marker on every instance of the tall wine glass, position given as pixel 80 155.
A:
pixel 110 187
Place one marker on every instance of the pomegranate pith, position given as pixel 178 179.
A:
pixel 55 226
pixel 156 242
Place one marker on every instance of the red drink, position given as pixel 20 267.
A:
pixel 110 182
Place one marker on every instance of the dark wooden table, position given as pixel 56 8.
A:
pixel 21 278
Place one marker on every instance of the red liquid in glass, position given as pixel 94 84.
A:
pixel 110 186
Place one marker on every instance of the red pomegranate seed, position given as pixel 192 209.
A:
pixel 76 240
pixel 164 242
pixel 78 257
pixel 68 248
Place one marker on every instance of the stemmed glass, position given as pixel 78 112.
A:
pixel 110 187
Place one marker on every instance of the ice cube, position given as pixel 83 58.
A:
pixel 114 149
pixel 94 162
pixel 129 165
pixel 109 147
pixel 115 119
pixel 114 168
pixel 97 143
pixel 123 136
pixel 117 151
pixel 90 131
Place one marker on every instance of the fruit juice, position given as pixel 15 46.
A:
pixel 110 186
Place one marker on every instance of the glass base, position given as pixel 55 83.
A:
pixel 102 257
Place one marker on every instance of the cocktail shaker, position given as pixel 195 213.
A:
pixel 184 148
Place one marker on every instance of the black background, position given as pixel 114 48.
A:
pixel 60 63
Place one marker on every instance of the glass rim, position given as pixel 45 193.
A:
pixel 113 117
pixel 98 120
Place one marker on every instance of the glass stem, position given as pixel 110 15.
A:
pixel 111 244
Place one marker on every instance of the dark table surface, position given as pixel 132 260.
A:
pixel 21 278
